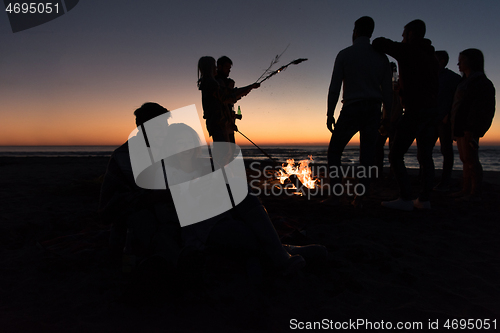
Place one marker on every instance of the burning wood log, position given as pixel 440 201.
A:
pixel 300 176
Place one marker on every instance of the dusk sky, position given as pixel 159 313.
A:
pixel 76 80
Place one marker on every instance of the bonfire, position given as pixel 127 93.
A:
pixel 302 171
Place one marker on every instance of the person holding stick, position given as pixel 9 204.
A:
pixel 224 65
pixel 216 100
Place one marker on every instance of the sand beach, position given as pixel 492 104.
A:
pixel 56 274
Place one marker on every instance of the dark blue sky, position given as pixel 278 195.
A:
pixel 77 79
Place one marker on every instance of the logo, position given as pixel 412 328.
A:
pixel 170 152
pixel 29 14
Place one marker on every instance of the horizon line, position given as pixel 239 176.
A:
pixel 485 143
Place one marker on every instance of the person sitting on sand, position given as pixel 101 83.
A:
pixel 145 218
pixel 471 117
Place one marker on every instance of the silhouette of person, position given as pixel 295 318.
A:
pixel 418 68
pixel 389 121
pixel 149 215
pixel 448 82
pixel 366 78
pixel 216 101
pixel 224 65
pixel 245 228
pixel 472 113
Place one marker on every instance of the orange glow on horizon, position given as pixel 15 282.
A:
pixel 104 123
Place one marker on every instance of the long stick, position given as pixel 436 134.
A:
pixel 246 137
pixel 282 68
pixel 275 61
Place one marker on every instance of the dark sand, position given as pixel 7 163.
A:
pixel 383 265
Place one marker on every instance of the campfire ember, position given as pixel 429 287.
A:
pixel 302 171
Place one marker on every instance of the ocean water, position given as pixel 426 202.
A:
pixel 56 151
pixel 489 155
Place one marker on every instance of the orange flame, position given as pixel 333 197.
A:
pixel 302 171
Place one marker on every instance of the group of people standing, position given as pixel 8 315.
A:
pixel 426 101
pixel 431 102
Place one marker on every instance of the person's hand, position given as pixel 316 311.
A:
pixel 445 119
pixel 330 123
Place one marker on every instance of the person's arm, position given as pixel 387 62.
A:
pixel 227 95
pixel 334 92
pixel 240 92
pixel 387 46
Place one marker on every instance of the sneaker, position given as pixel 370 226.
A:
pixel 422 205
pixel 399 204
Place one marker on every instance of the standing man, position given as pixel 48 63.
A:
pixel 448 82
pixel 366 78
pixel 224 65
pixel 418 68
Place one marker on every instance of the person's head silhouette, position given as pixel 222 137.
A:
pixel 224 65
pixel 363 26
pixel 414 31
pixel 148 111
pixel 471 60
pixel 206 68
pixel 443 58
pixel 155 130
